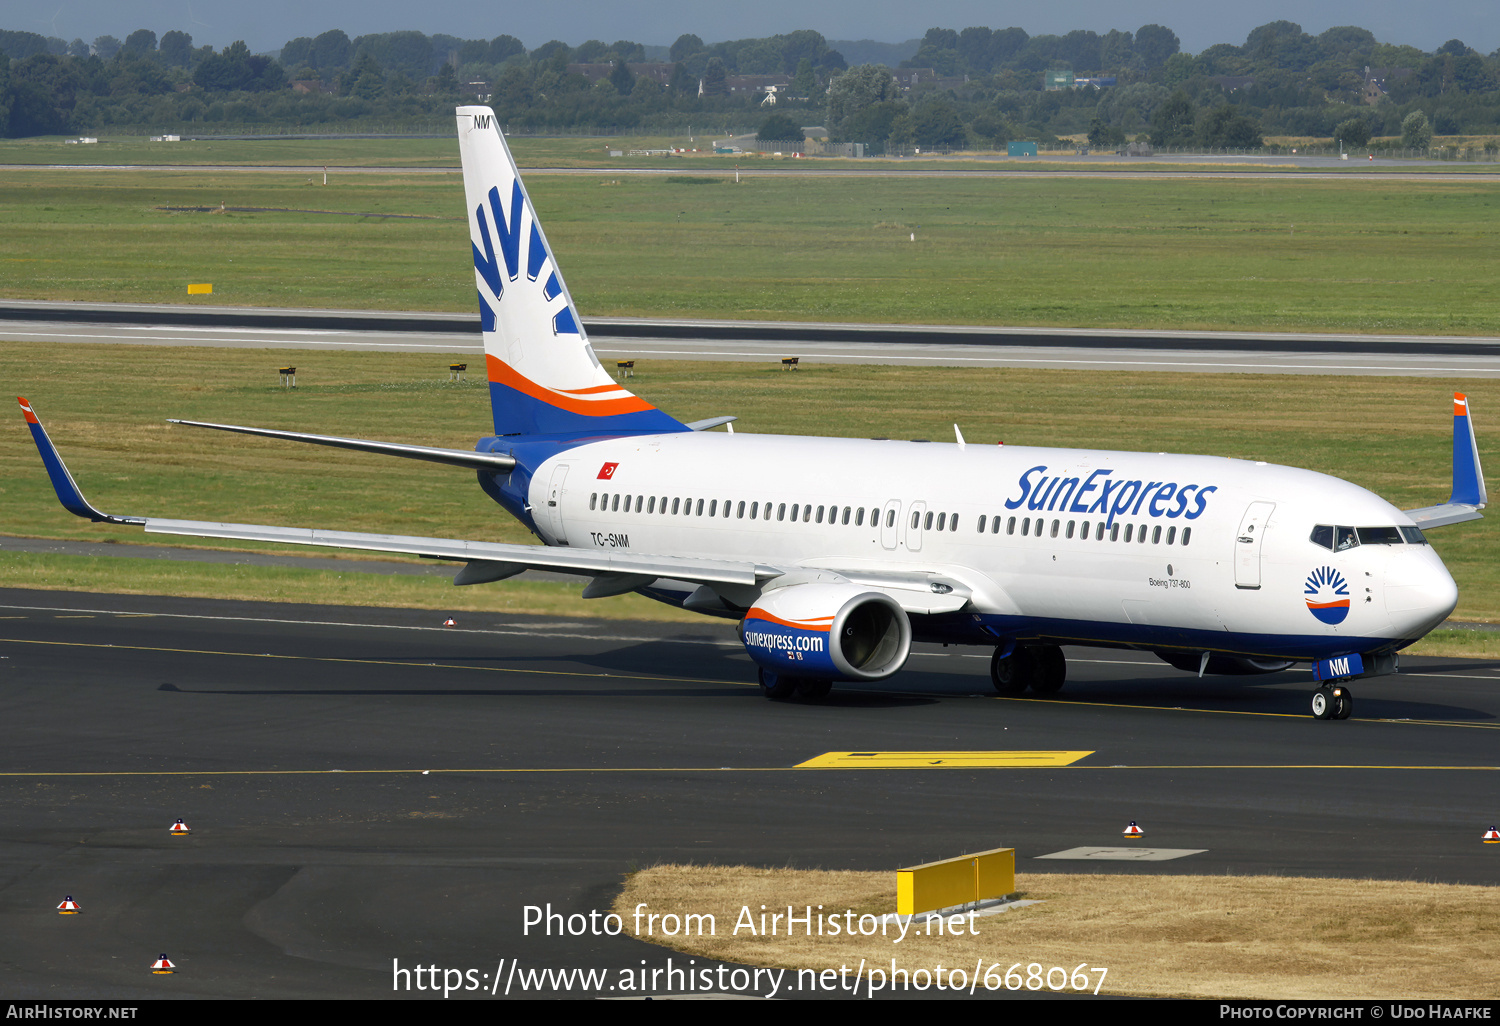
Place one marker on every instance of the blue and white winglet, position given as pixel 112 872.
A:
pixel 1468 496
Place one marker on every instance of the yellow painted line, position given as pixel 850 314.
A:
pixel 410 665
pixel 942 760
pixel 676 769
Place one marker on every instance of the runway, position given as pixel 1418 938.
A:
pixel 363 784
pixel 767 342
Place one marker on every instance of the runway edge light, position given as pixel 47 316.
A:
pixel 179 829
pixel 162 967
pixel 1133 830
pixel 69 907
pixel 1492 836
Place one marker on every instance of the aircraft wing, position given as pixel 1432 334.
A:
pixel 1429 517
pixel 495 560
pixel 500 559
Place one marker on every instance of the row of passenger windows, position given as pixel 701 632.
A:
pixel 856 515
pixel 1071 528
pixel 805 512
pixel 1340 538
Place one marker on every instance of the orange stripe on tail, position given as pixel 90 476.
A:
pixel 501 373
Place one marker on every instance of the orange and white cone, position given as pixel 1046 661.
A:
pixel 161 967
pixel 450 622
pixel 69 907
pixel 1133 830
pixel 179 829
pixel 1492 836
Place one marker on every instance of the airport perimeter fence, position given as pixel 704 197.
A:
pixel 425 129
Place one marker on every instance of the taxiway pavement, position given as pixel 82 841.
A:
pixel 364 785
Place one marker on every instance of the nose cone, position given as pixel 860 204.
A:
pixel 1419 592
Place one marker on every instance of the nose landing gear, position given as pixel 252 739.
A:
pixel 1332 702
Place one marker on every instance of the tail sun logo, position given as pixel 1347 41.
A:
pixel 1327 595
pixel 488 263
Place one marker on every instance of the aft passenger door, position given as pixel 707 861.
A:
pixel 1247 542
pixel 554 511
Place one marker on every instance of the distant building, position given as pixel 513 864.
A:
pixel 1097 82
pixel 1377 81
pixel 311 85
pixel 905 78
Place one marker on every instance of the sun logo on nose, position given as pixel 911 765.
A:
pixel 1327 595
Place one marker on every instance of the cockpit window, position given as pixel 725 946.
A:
pixel 1340 538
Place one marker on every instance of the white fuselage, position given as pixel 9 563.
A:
pixel 1109 547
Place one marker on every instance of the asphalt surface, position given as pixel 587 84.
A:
pixel 454 335
pixel 293 740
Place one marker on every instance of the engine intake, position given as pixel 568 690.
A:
pixel 827 631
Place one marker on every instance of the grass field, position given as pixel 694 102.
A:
pixel 1282 255
pixel 106 408
pixel 1158 935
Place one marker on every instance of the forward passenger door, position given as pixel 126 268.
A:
pixel 1247 542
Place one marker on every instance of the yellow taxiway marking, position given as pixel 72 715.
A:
pixel 939 760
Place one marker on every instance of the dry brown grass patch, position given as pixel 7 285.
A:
pixel 1159 936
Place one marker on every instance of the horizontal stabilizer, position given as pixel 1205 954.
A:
pixel 452 457
pixel 711 422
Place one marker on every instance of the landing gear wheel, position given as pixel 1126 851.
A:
pixel 1323 704
pixel 812 690
pixel 776 687
pixel 1012 674
pixel 1343 702
pixel 1054 670
pixel 1006 674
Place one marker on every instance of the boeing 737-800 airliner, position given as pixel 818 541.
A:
pixel 851 548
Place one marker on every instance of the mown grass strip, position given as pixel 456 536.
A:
pixel 106 408
pixel 1274 255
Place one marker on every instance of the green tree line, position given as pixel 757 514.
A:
pixel 983 86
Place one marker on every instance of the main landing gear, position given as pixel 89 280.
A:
pixel 1333 702
pixel 779 687
pixel 1042 668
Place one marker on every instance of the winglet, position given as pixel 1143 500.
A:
pixel 68 492
pixel 1468 478
pixel 1468 496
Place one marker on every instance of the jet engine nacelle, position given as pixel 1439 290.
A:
pixel 1228 665
pixel 827 631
